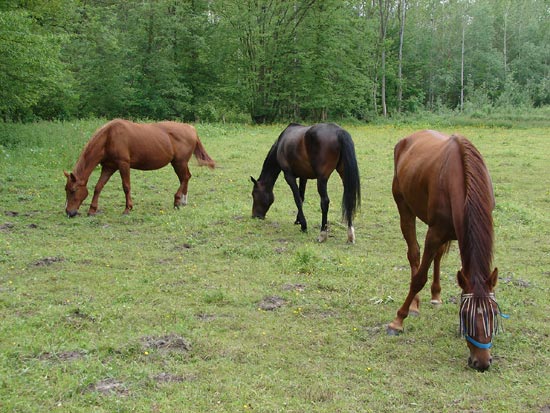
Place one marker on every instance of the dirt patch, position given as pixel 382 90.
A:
pixel 6 226
pixel 206 317
pixel 170 342
pixel 76 314
pixel 516 281
pixel 48 261
pixel 271 303
pixel 172 378
pixel 109 387
pixel 63 356
pixel 294 287
pixel 376 330
pixel 11 213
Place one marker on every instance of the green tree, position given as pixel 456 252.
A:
pixel 30 67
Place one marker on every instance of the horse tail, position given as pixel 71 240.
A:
pixel 478 235
pixel 202 156
pixel 351 199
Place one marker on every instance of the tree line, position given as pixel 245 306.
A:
pixel 269 60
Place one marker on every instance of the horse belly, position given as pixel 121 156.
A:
pixel 303 171
pixel 414 185
pixel 294 159
pixel 151 155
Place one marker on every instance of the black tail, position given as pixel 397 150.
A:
pixel 351 200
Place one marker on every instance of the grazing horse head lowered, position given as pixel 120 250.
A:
pixel 443 181
pixel 121 145
pixel 310 152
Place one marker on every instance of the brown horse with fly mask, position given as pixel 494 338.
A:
pixel 121 145
pixel 444 182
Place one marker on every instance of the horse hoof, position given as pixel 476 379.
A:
pixel 414 313
pixel 436 303
pixel 393 332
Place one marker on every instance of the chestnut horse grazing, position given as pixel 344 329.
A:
pixel 444 182
pixel 122 145
pixel 310 152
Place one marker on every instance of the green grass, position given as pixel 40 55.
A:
pixel 87 303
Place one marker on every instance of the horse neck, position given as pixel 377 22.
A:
pixel 476 246
pixel 271 168
pixel 90 156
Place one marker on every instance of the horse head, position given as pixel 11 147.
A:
pixel 479 320
pixel 262 199
pixel 76 191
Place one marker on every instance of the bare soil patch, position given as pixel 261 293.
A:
pixel 109 387
pixel 271 303
pixel 64 355
pixel 48 261
pixel 169 342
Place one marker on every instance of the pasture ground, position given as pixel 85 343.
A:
pixel 204 309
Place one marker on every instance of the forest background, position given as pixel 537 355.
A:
pixel 271 60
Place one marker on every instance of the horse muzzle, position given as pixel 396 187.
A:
pixel 71 214
pixel 479 365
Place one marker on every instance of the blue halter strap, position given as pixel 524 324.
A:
pixel 477 343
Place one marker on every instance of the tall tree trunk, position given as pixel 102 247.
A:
pixel 403 6
pixel 505 40
pixel 383 8
pixel 462 69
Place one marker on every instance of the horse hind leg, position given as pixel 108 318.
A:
pixel 302 189
pixel 184 175
pixel 351 234
pixel 325 202
pixel 124 170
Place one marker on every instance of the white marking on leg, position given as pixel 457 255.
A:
pixel 351 235
pixel 183 200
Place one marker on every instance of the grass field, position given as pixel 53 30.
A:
pixel 203 309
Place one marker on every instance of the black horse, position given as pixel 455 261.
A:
pixel 310 152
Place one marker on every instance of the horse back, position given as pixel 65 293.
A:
pixel 142 146
pixel 309 152
pixel 429 176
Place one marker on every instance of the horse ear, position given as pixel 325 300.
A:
pixel 461 279
pixel 66 174
pixel 254 181
pixel 493 279
pixel 73 177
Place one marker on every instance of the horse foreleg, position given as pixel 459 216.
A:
pixel 436 284
pixel 300 218
pixel 325 202
pixel 106 173
pixel 184 175
pixel 418 281
pixel 408 229
pixel 125 176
